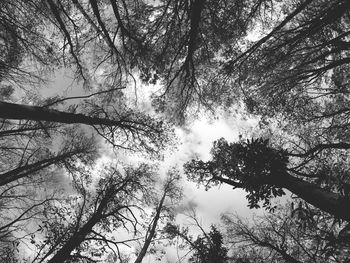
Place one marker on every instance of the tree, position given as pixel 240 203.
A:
pixel 198 49
pixel 105 111
pixel 74 149
pixel 29 167
pixel 144 130
pixel 190 40
pixel 289 234
pixel 39 143
pixel 21 206
pixel 22 38
pixel 170 191
pixel 210 249
pixel 29 150
pixel 308 47
pixel 201 53
pixel 295 70
pixel 263 171
pixel 295 77
pixel 85 226
pixel 173 41
pixel 207 247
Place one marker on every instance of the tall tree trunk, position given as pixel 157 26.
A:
pixel 28 169
pixel 151 232
pixel 79 236
pixel 325 200
pixel 64 253
pixel 26 112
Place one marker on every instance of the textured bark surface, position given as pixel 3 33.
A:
pixel 26 112
pixel 325 200
pixel 330 202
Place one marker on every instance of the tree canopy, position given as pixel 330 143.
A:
pixel 142 70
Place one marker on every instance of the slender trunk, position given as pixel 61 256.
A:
pixel 79 236
pixel 263 40
pixel 193 245
pixel 325 200
pixel 97 14
pixel 196 11
pixel 320 147
pixel 151 231
pixel 26 112
pixel 20 131
pixel 64 253
pixel 28 169
pixel 283 253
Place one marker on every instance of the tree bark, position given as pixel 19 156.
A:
pixel 36 113
pixel 28 169
pixel 325 200
pixel 152 231
pixel 64 253
pixel 79 236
